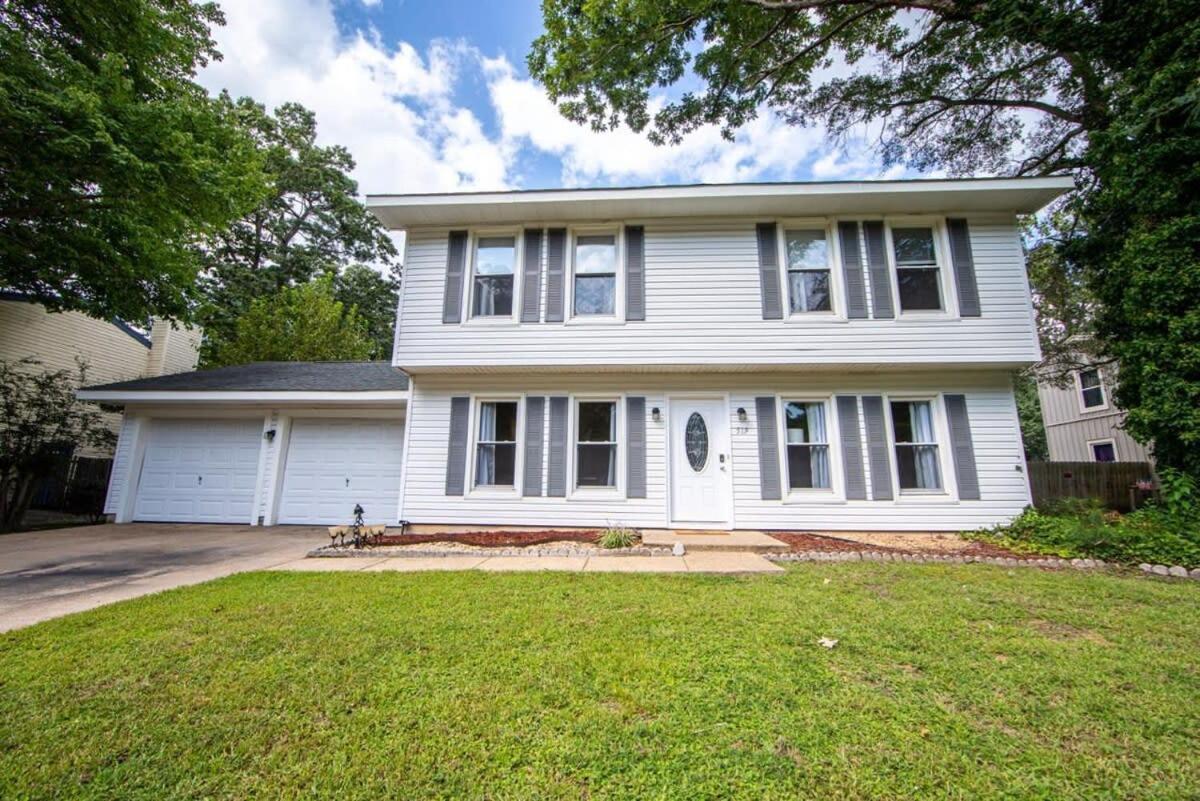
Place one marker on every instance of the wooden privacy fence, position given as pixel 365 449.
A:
pixel 1111 483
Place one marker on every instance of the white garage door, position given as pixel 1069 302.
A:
pixel 199 471
pixel 333 464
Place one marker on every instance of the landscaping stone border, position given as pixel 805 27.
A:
pixel 342 553
pixel 1176 571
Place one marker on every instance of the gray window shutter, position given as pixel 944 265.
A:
pixel 456 265
pixel 877 446
pixel 635 272
pixel 963 449
pixel 556 250
pixel 768 271
pixel 535 430
pixel 456 451
pixel 768 449
pixel 850 433
pixel 877 266
pixel 852 275
pixel 556 481
pixel 635 456
pixel 531 277
pixel 964 268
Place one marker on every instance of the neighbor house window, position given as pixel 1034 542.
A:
pixel 496 448
pixel 917 274
pixel 1091 389
pixel 596 444
pixel 1104 451
pixel 807 445
pixel 596 274
pixel 808 271
pixel 495 258
pixel 916 445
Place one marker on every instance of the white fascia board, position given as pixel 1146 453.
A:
pixel 951 196
pixel 244 397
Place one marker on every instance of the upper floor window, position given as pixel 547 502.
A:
pixel 808 271
pixel 1103 450
pixel 917 275
pixel 1091 389
pixel 595 290
pixel 492 290
pixel 596 444
pixel 807 445
pixel 916 445
pixel 496 444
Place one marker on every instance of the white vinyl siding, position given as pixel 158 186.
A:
pixel 994 432
pixel 704 307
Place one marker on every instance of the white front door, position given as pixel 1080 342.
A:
pixel 700 466
pixel 334 463
pixel 199 471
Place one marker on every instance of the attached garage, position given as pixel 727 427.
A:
pixel 334 463
pixel 199 471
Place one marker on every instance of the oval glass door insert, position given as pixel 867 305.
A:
pixel 696 442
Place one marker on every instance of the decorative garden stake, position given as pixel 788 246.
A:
pixel 359 537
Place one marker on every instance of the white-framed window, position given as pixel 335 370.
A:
pixel 493 275
pixel 496 436
pixel 1091 390
pixel 596 443
pixel 594 271
pixel 1103 450
pixel 914 440
pixel 808 260
pixel 916 255
pixel 806 437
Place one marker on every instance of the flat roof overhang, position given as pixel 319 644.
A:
pixel 925 196
pixel 245 397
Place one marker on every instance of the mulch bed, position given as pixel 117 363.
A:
pixel 800 542
pixel 494 539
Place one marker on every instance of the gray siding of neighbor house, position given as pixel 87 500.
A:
pixel 1069 429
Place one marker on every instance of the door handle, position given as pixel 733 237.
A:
pixel 199 480
pixel 347 482
pixel 722 458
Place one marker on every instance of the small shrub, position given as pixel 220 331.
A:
pixel 617 537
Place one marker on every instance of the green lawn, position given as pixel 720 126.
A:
pixel 949 681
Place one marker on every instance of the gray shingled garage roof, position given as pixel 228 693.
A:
pixel 274 377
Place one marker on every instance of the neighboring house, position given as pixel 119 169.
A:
pixel 112 350
pixel 825 356
pixel 1083 424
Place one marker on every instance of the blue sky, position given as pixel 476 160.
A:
pixel 434 96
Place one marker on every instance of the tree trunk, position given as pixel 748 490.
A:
pixel 16 493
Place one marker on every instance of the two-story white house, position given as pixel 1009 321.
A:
pixel 820 356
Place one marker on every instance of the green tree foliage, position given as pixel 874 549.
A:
pixel 298 323
pixel 113 162
pixel 311 223
pixel 38 414
pixel 374 296
pixel 1029 411
pixel 1106 91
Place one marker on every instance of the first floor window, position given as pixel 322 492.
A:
pixel 596 274
pixel 1104 451
pixel 917 274
pixel 916 445
pixel 496 451
pixel 596 444
pixel 808 271
pixel 807 445
pixel 1091 388
pixel 495 260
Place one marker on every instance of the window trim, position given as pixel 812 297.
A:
pixel 837 311
pixel 576 492
pixel 474 489
pixel 941 429
pixel 473 237
pixel 836 491
pixel 1083 408
pixel 941 255
pixel 1092 443
pixel 617 230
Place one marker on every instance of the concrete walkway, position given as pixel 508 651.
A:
pixel 701 562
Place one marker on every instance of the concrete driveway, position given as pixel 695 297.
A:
pixel 45 574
